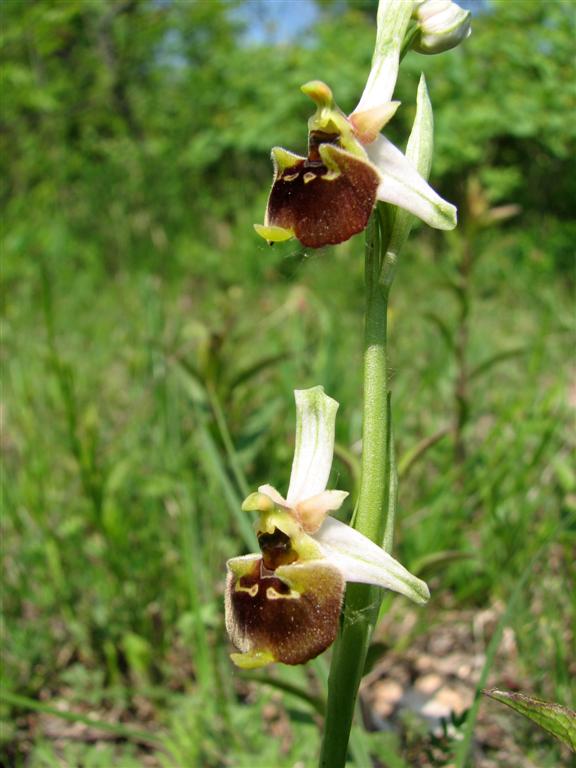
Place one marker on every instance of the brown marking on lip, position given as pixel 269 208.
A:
pixel 294 617
pixel 315 138
pixel 276 549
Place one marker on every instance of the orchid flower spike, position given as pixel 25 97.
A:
pixel 284 603
pixel 328 196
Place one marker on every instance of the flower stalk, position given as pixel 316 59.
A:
pixel 363 601
pixel 385 236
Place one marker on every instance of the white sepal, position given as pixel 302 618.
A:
pixel 392 20
pixel 359 559
pixel 314 448
pixel 402 185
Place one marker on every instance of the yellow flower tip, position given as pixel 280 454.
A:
pixel 274 234
pixel 257 502
pixel 319 92
pixel 283 159
pixel 252 659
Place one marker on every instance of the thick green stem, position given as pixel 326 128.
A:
pixel 362 601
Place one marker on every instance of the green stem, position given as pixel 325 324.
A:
pixel 362 600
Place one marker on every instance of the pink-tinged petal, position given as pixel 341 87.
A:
pixel 360 559
pixel 369 123
pixel 312 512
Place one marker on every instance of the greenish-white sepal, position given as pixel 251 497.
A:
pixel 421 141
pixel 402 185
pixel 392 22
pixel 419 152
pixel 359 559
pixel 314 448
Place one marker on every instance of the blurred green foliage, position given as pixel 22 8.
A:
pixel 151 343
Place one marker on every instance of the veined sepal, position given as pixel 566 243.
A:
pixel 360 559
pixel 402 185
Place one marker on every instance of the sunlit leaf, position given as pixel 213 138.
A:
pixel 554 718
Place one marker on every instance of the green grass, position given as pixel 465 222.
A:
pixel 140 405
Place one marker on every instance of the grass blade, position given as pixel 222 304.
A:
pixel 463 749
pixel 122 731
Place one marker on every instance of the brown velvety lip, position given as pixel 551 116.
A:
pixel 293 625
pixel 320 206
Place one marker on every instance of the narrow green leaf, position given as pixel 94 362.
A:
pixel 554 718
pixel 412 456
pixel 213 465
pixel 291 688
pixel 256 368
pixel 192 381
pixel 443 329
pixel 227 441
pixel 500 357
pixel 437 560
pixel 123 731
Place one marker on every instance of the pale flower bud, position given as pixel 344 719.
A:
pixel 443 25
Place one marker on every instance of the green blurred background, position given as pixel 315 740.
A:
pixel 151 343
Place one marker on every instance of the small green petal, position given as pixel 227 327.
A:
pixel 257 502
pixel 274 234
pixel 252 659
pixel 319 92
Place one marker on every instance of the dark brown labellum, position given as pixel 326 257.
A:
pixel 292 614
pixel 324 206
